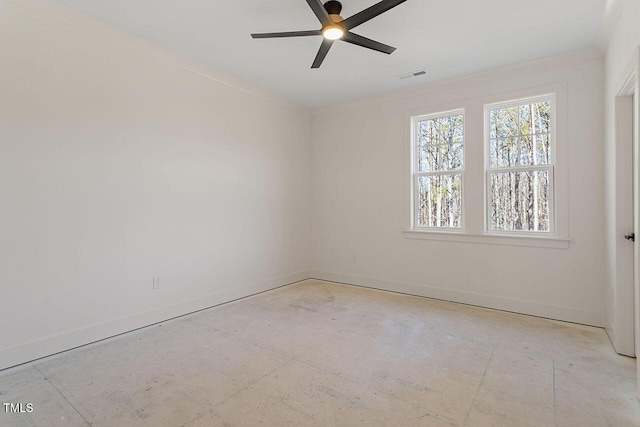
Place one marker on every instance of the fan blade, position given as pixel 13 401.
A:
pixel 287 34
pixel 322 53
pixel 368 43
pixel 369 13
pixel 320 11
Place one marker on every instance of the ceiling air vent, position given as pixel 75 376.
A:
pixel 414 74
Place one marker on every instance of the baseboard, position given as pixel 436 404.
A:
pixel 30 351
pixel 51 345
pixel 566 314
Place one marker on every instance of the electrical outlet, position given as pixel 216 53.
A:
pixel 156 283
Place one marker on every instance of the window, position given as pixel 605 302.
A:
pixel 520 166
pixel 491 169
pixel 437 170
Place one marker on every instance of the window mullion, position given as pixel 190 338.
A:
pixel 519 168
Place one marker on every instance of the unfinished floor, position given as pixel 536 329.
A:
pixel 323 354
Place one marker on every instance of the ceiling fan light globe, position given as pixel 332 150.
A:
pixel 332 32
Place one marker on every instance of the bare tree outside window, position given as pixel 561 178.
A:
pixel 520 166
pixel 438 170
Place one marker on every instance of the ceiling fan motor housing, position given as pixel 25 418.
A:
pixel 333 7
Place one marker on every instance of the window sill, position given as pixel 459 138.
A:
pixel 489 239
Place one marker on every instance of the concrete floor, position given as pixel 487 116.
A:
pixel 323 354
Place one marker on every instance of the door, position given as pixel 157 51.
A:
pixel 636 226
pixel 635 111
pixel 623 316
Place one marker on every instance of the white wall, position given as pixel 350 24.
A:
pixel 119 162
pixel 360 180
pixel 620 37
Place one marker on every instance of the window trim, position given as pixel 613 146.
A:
pixel 415 175
pixel 547 97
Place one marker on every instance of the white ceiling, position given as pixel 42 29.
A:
pixel 448 38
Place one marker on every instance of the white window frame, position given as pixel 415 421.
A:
pixel 415 175
pixel 551 98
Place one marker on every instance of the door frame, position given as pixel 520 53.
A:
pixel 626 303
pixel 623 317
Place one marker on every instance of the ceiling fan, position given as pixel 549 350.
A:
pixel 334 27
